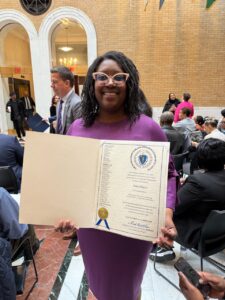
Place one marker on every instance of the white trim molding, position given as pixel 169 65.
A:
pixel 14 16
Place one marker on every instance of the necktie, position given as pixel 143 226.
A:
pixel 59 117
pixel 27 103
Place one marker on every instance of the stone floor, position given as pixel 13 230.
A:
pixel 62 276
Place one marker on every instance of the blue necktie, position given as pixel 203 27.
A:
pixel 59 119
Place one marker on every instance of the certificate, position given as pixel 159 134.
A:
pixel 115 186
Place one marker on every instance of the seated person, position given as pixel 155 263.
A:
pixel 190 292
pixel 175 138
pixel 11 154
pixel 186 125
pixel 10 228
pixel 212 131
pixel 185 103
pixel 201 193
pixel 199 133
pixel 221 125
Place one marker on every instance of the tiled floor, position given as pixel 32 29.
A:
pixel 63 278
pixel 48 261
pixel 154 287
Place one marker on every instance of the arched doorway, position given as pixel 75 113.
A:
pixel 69 48
pixel 15 62
pixel 47 30
pixel 14 26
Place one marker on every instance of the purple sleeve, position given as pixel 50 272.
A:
pixel 171 199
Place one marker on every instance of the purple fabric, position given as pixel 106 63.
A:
pixel 115 264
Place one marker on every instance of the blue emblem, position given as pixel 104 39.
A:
pixel 143 159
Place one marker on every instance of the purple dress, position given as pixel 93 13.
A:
pixel 115 264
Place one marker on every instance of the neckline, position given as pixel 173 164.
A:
pixel 111 123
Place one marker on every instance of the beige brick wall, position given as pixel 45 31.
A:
pixel 178 48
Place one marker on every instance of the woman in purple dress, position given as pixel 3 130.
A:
pixel 115 264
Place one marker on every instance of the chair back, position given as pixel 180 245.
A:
pixel 8 179
pixel 212 239
pixel 179 160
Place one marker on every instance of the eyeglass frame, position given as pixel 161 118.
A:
pixel 111 77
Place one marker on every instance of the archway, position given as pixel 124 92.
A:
pixel 14 17
pixel 47 27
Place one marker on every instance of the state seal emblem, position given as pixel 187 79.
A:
pixel 143 158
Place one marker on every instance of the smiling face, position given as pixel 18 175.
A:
pixel 110 95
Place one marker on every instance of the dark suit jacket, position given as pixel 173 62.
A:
pixel 32 103
pixel 201 193
pixel 71 111
pixel 11 154
pixel 175 138
pixel 21 109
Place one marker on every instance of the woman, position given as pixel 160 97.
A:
pixel 199 134
pixel 171 103
pixel 52 118
pixel 55 100
pixel 115 264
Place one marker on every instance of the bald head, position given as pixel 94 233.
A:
pixel 166 118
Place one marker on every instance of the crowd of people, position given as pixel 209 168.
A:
pixel 114 107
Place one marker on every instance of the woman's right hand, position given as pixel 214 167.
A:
pixel 65 226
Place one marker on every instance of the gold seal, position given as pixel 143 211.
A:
pixel 103 213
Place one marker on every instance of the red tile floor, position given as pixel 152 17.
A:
pixel 48 261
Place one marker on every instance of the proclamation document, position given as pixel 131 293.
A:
pixel 115 186
pixel 131 188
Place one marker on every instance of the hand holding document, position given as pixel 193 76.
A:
pixel 116 186
pixel 37 123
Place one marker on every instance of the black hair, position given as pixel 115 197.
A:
pixel 64 73
pixel 12 94
pixel 211 154
pixel 170 95
pixel 212 122
pixel 199 120
pixel 223 112
pixel 186 111
pixel 89 104
pixel 186 96
pixel 144 105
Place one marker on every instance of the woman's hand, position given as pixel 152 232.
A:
pixel 189 291
pixel 65 226
pixel 216 282
pixel 169 232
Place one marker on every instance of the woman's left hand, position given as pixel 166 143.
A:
pixel 169 232
pixel 189 291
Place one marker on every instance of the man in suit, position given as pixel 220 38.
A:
pixel 17 114
pixel 29 104
pixel 175 138
pixel 68 108
pixel 11 154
